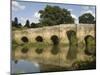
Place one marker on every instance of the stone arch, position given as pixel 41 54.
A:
pixel 90 45
pixel 70 33
pixel 39 39
pixel 24 39
pixel 55 39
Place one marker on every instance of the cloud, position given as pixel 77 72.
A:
pixel 37 15
pixel 35 18
pixel 75 18
pixel 16 6
pixel 23 20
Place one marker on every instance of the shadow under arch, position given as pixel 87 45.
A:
pixel 55 39
pixel 39 39
pixel 90 45
pixel 24 39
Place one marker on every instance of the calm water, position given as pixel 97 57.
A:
pixel 23 66
pixel 52 58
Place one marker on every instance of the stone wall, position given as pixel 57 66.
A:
pixel 82 30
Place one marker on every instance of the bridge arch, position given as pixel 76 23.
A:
pixel 39 38
pixel 90 46
pixel 55 39
pixel 24 39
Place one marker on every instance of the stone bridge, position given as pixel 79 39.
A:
pixel 82 31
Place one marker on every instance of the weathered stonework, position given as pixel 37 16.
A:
pixel 82 30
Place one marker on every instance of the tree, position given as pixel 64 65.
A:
pixel 54 15
pixel 33 25
pixel 87 18
pixel 19 25
pixel 27 24
pixel 15 23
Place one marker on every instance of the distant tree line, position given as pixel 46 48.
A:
pixel 16 24
pixel 54 15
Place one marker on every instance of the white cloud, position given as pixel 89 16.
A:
pixel 75 18
pixel 16 6
pixel 37 15
pixel 23 20
pixel 35 18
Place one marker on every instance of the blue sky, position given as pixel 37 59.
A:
pixel 29 10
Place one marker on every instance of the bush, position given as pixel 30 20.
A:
pixel 84 65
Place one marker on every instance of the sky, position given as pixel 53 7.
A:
pixel 24 10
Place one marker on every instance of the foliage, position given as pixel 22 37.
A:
pixel 84 65
pixel 15 23
pixel 87 18
pixel 54 15
pixel 33 25
pixel 27 24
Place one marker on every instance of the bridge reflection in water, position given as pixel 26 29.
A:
pixel 51 58
pixel 78 45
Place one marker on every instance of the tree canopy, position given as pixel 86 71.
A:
pixel 15 23
pixel 27 24
pixel 54 15
pixel 87 18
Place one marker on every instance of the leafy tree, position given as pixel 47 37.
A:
pixel 54 15
pixel 87 18
pixel 15 23
pixel 27 24
pixel 19 25
pixel 33 25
